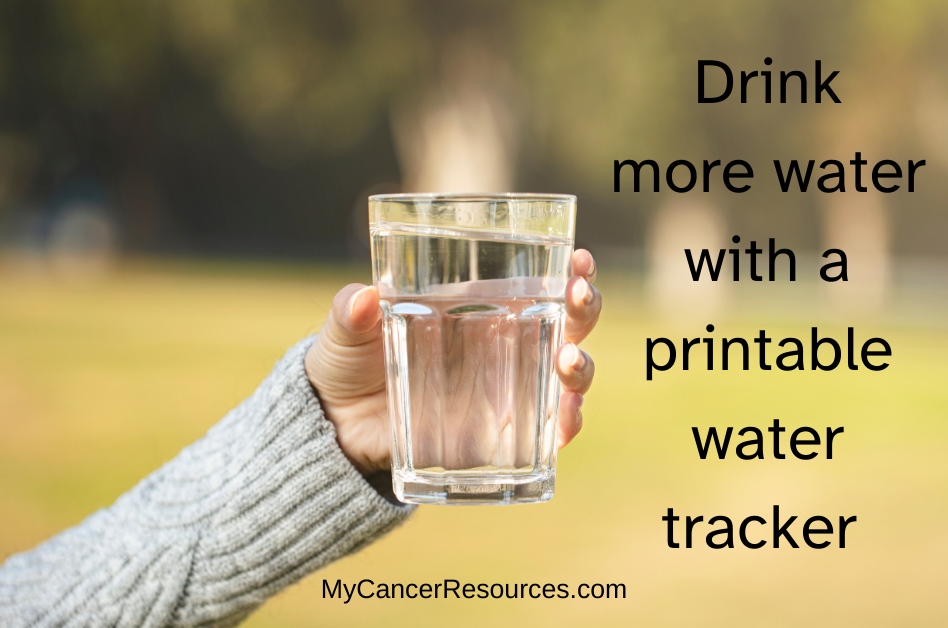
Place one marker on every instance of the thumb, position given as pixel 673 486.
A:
pixel 355 315
pixel 346 360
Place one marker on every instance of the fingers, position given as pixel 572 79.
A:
pixel 571 418
pixel 355 316
pixel 583 304
pixel 575 368
pixel 584 265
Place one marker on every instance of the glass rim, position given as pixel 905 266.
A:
pixel 474 197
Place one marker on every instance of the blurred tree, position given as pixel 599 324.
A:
pixel 254 125
pixel 297 73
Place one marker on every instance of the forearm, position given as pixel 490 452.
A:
pixel 265 498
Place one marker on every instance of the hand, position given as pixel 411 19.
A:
pixel 346 366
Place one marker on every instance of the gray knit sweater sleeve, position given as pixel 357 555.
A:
pixel 265 498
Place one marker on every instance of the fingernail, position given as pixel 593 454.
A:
pixel 568 358
pixel 588 294
pixel 592 270
pixel 582 400
pixel 579 359
pixel 353 299
pixel 581 287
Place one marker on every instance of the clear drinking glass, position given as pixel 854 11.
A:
pixel 472 290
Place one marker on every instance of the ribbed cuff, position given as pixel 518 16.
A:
pixel 294 504
pixel 265 498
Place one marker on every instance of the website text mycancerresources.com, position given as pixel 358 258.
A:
pixel 453 589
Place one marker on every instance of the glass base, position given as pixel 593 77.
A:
pixel 454 491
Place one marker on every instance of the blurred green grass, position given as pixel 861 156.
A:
pixel 103 381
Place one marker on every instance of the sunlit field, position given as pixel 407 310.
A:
pixel 102 380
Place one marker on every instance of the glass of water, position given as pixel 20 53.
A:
pixel 472 291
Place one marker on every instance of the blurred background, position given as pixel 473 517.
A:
pixel 183 187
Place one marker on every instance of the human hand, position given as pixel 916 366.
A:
pixel 346 366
